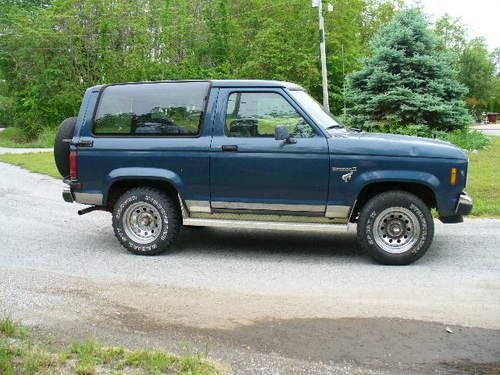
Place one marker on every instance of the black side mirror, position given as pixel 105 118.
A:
pixel 281 133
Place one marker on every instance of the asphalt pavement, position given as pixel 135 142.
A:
pixel 260 302
pixel 488 129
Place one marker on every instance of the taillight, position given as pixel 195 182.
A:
pixel 73 168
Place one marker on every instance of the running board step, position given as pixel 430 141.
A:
pixel 272 225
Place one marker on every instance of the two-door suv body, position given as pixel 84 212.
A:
pixel 252 154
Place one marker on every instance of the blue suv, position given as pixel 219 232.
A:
pixel 257 155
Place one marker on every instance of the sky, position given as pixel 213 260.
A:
pixel 482 17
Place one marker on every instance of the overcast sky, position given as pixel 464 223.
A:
pixel 481 16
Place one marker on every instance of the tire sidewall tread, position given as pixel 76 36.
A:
pixel 169 213
pixel 395 199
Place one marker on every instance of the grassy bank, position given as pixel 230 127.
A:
pixel 483 184
pixel 22 352
pixel 40 162
pixel 15 138
pixel 484 180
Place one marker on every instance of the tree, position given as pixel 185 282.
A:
pixel 408 80
pixel 476 71
pixel 51 50
pixel 494 104
pixel 348 30
pixel 452 34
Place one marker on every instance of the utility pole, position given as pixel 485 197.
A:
pixel 343 79
pixel 322 48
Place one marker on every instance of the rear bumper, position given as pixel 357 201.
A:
pixel 464 207
pixel 73 193
pixel 68 195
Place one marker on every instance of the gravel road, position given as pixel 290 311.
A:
pixel 262 302
pixel 490 129
pixel 492 132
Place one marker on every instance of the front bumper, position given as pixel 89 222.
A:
pixel 465 204
pixel 464 207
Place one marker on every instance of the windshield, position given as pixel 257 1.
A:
pixel 323 118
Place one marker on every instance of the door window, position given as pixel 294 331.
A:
pixel 256 114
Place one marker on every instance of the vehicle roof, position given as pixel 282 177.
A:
pixel 222 83
pixel 254 83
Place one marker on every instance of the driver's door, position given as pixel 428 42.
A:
pixel 250 170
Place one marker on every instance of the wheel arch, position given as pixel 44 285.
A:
pixel 420 189
pixel 125 179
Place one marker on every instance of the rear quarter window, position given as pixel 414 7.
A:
pixel 151 109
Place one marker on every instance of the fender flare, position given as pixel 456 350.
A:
pixel 423 178
pixel 405 176
pixel 135 173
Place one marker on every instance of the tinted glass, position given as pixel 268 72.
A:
pixel 256 114
pixel 157 109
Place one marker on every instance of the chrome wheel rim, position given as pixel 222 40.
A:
pixel 396 230
pixel 142 222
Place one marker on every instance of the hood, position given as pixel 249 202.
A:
pixel 393 145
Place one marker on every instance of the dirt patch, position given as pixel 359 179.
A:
pixel 247 332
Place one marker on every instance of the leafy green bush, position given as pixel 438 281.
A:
pixel 463 138
pixel 467 139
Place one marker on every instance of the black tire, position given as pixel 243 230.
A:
pixel 395 228
pixel 150 203
pixel 61 148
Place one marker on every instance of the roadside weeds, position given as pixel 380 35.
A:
pixel 23 352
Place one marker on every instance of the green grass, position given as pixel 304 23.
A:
pixel 21 352
pixel 15 138
pixel 40 162
pixel 484 180
pixel 10 328
pixel 483 184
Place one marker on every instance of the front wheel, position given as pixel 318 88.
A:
pixel 395 228
pixel 146 221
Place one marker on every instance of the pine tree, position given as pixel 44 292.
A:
pixel 408 80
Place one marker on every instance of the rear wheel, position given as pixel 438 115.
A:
pixel 146 221
pixel 395 227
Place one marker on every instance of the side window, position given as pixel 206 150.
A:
pixel 151 109
pixel 256 114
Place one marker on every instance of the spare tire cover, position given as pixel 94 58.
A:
pixel 61 148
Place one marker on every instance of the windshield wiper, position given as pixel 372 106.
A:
pixel 336 126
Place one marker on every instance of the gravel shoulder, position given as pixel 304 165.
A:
pixel 261 301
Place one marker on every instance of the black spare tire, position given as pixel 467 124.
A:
pixel 61 146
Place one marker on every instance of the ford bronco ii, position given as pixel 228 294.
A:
pixel 252 154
